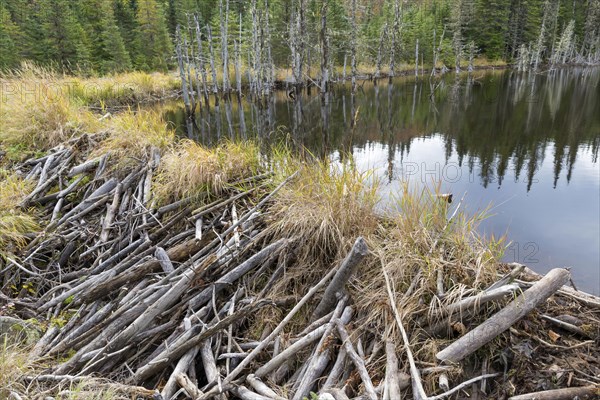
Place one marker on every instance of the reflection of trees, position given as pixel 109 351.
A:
pixel 506 122
pixel 501 121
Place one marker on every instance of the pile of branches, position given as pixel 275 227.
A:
pixel 170 301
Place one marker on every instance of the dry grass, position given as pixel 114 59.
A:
pixel 326 207
pixel 191 168
pixel 36 116
pixel 15 365
pixel 14 222
pixel 41 108
pixel 133 134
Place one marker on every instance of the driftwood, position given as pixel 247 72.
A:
pixel 586 392
pixel 358 252
pixel 505 318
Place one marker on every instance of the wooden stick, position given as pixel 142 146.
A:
pixel 506 317
pixel 355 256
pixel 566 326
pixel 190 387
pixel 417 386
pixel 285 355
pixel 358 362
pixel 585 392
pixel 461 386
pixel 278 329
pixel 394 380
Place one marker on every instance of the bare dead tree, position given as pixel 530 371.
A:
pixel 213 70
pixel 324 49
pixel 353 43
pixel 417 58
pixel 182 72
pixel 396 27
pixel 200 62
pixel 380 51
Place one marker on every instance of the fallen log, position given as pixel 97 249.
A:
pixel 349 265
pixel 505 318
pixel 585 392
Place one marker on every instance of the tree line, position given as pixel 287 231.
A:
pixel 117 35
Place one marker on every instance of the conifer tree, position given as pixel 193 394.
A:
pixel 8 29
pixel 152 31
pixel 64 40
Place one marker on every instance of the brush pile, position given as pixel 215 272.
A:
pixel 209 297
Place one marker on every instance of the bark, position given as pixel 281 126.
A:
pixel 505 318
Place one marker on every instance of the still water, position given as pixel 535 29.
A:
pixel 525 143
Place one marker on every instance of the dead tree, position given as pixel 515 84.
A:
pixel 324 49
pixel 380 52
pixel 200 64
pixel 394 37
pixel 224 20
pixel 353 43
pixel 213 70
pixel 182 72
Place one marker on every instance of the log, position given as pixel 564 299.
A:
pixel 348 267
pixel 394 380
pixel 585 392
pixel 505 318
pixel 186 383
pixel 285 355
pixel 278 329
pixel 181 367
pixel 320 358
pixel 261 388
pixel 357 360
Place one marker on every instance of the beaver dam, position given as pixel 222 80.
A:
pixel 134 267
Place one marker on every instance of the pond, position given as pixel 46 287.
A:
pixel 527 144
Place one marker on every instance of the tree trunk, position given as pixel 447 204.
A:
pixel 506 317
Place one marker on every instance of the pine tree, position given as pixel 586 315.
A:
pixel 64 40
pixel 152 31
pixel 8 30
pixel 107 47
pixel 125 16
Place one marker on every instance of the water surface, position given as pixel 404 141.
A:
pixel 526 143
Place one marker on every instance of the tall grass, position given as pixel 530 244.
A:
pixel 191 168
pixel 324 208
pixel 133 135
pixel 15 223
pixel 40 108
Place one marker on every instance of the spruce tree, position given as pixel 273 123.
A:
pixel 8 30
pixel 107 46
pixel 152 31
pixel 64 40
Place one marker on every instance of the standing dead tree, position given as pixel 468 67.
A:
pixel 200 62
pixel 396 27
pixel 297 41
pixel 224 23
pixel 380 52
pixel 353 43
pixel 324 49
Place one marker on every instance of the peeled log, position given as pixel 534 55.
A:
pixel 506 317
pixel 329 300
pixel 585 392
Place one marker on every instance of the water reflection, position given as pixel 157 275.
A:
pixel 526 142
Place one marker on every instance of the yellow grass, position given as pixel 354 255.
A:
pixel 132 135
pixel 191 168
pixel 14 222
pixel 325 207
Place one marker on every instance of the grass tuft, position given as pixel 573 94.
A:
pixel 326 207
pixel 133 134
pixel 14 222
pixel 191 168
